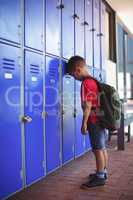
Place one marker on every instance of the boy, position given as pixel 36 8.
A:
pixel 76 67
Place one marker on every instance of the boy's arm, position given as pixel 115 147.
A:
pixel 86 112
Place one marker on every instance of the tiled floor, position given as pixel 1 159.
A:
pixel 65 183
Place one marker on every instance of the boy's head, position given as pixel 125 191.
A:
pixel 76 67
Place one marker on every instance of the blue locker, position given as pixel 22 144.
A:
pixel 52 119
pixel 68 28
pixel 129 52
pixel 10 20
pixel 68 117
pixel 96 26
pixel 10 134
pixel 79 28
pixel 88 33
pixel 53 22
pixel 34 137
pixel 79 138
pixel 102 33
pixel 34 33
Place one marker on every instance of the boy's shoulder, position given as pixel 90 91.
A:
pixel 90 83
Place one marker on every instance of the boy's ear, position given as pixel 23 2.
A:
pixel 78 69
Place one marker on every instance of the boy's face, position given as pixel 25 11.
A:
pixel 78 73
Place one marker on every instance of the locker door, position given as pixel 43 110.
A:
pixel 120 60
pixel 34 137
pixel 68 29
pixel 80 139
pixel 68 117
pixel 52 119
pixel 87 138
pixel 10 134
pixel 53 18
pixel 34 24
pixel 88 33
pixel 96 24
pixel 102 34
pixel 10 20
pixel 79 27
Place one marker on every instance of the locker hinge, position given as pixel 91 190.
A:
pixel 21 174
pixel 61 6
pixel 73 149
pixel 86 23
pixel 60 155
pixel 43 164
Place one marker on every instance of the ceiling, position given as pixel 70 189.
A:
pixel 124 9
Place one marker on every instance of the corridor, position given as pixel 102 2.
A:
pixel 64 184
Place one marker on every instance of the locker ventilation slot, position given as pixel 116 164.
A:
pixel 53 73
pixel 34 69
pixel 8 64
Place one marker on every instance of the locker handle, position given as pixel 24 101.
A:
pixel 26 119
pixel 74 114
pixel 100 35
pixel 93 29
pixel 61 6
pixel 63 112
pixel 86 23
pixel 76 16
pixel 46 114
pixel 100 76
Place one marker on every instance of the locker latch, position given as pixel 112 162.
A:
pixel 61 6
pixel 26 119
pixel 76 16
pixel 100 77
pixel 74 114
pixel 93 29
pixel 100 34
pixel 63 112
pixel 86 23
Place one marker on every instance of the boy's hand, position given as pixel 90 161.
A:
pixel 84 128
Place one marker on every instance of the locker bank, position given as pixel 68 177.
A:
pixel 40 113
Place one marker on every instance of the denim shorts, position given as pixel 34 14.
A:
pixel 98 137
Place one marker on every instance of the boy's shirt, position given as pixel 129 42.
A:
pixel 89 92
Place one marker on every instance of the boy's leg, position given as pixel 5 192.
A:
pixel 100 160
pixel 105 158
pixel 98 141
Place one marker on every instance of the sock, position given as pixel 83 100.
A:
pixel 105 170
pixel 100 174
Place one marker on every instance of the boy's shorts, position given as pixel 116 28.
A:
pixel 98 137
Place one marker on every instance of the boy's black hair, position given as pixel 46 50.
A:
pixel 73 62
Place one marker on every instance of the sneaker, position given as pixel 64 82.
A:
pixel 94 174
pixel 94 182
